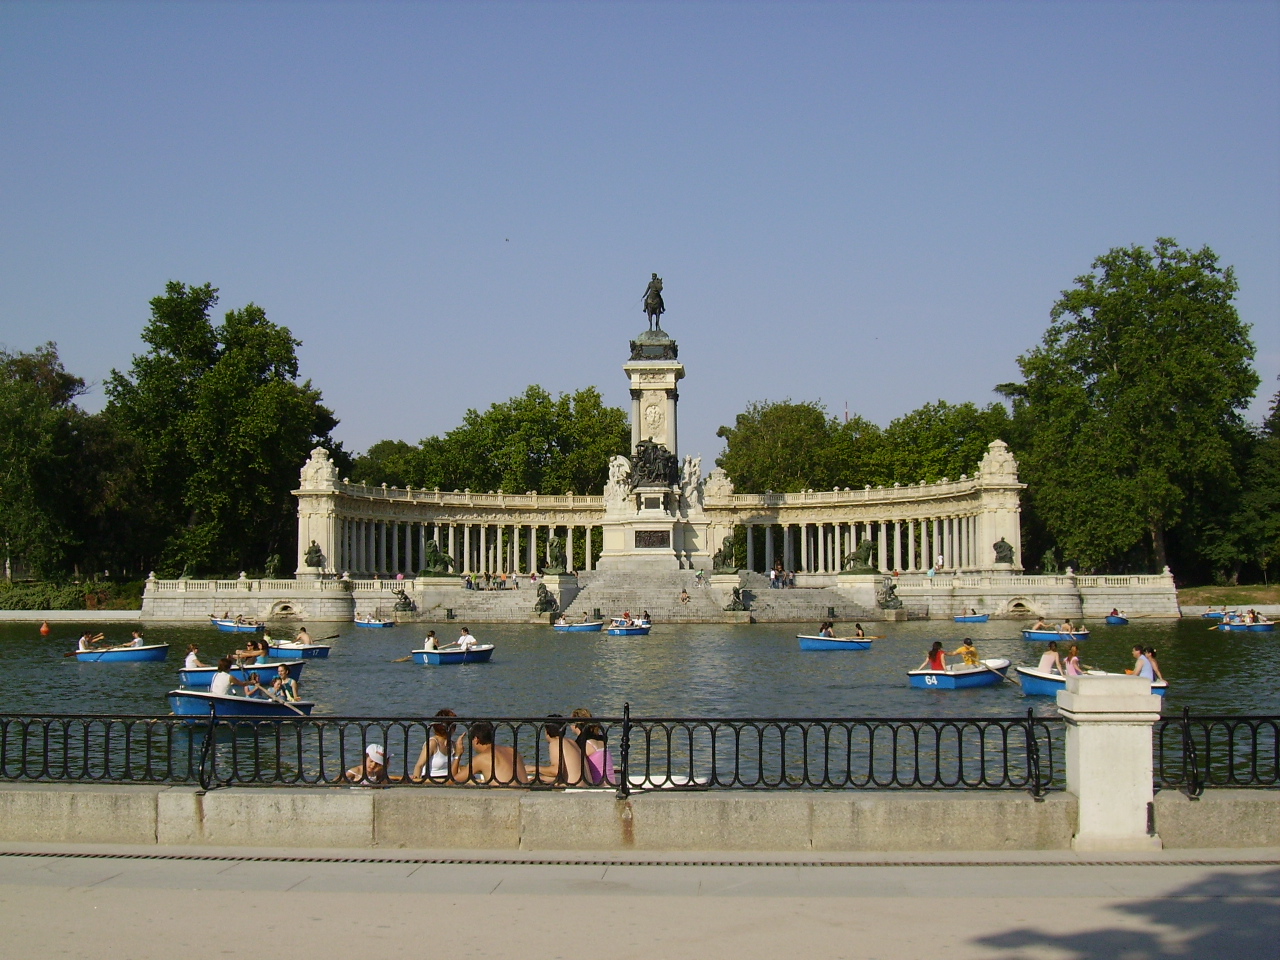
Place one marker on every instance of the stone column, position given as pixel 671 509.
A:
pixel 882 549
pixel 911 545
pixel 533 548
pixel 466 548
pixel 1108 759
pixel 768 547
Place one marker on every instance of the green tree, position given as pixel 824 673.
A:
pixel 1258 517
pixel 1130 408
pixel 222 426
pixel 939 440
pixel 39 422
pixel 787 447
pixel 531 442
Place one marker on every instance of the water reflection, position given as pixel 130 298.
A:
pixel 678 670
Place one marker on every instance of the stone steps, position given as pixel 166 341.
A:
pixel 801 604
pixel 612 592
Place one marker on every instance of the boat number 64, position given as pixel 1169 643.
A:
pixel 931 681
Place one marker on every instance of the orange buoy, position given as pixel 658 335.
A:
pixel 44 629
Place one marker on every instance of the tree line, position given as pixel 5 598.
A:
pixel 1128 422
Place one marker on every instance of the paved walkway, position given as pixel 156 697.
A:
pixel 195 903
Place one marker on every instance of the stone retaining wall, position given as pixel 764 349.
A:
pixel 464 818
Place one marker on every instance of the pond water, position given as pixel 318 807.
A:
pixel 690 670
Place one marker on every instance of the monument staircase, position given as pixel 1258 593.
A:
pixel 613 591
pixel 482 606
pixel 800 604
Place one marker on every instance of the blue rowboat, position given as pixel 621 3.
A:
pixel 973 618
pixel 150 651
pixel 480 653
pixel 1232 626
pixel 988 673
pixel 636 631
pixel 374 622
pixel 1213 615
pixel 298 651
pixel 1043 635
pixel 593 626
pixel 1266 627
pixel 230 626
pixel 1042 683
pixel 197 703
pixel 1117 621
pixel 834 643
pixel 203 676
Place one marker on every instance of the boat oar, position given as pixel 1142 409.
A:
pixel 1002 676
pixel 101 636
pixel 403 659
pixel 286 703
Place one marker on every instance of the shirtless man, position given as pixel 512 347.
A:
pixel 303 636
pixel 489 763
pixel 564 756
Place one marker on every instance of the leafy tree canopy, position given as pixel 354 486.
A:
pixel 222 425
pixel 1130 409
pixel 531 442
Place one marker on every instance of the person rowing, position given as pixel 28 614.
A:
pixel 1040 625
pixel 1072 665
pixel 87 640
pixel 302 637
pixel 193 661
pixel 968 651
pixel 1050 661
pixel 858 631
pixel 223 682
pixel 284 686
pixel 466 641
pixel 1141 665
pixel 827 630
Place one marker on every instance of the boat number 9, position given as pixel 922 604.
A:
pixel 931 681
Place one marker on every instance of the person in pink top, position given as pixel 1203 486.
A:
pixel 1072 663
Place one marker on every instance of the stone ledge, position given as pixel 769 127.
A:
pixel 1220 818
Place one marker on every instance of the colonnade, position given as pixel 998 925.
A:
pixel 372 547
pixel 908 546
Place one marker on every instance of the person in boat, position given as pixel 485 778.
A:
pixel 684 595
pixel 266 637
pixel 1114 612
pixel 972 612
pixel 373 770
pixel 644 617
pixel 586 618
pixel 564 757
pixel 596 757
pixel 137 640
pixel 432 642
pixel 303 636
pixel 936 659
pixel 87 640
pixel 433 761
pixel 968 651
pixel 1066 628
pixel 490 763
pixel 466 641
pixel 562 621
pixel 253 686
pixel 1051 661
pixel 223 683
pixel 284 687
pixel 193 661
pixel 1141 665
pixel 1150 654
pixel 1040 625
pixel 858 631
pixel 826 630
pixel 1071 666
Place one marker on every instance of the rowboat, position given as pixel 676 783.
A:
pixel 203 676
pixel 1042 683
pixel 639 630
pixel 373 622
pixel 592 626
pixel 1114 621
pixel 1262 626
pixel 973 618
pixel 197 704
pixel 150 651
pixel 480 653
pixel 834 643
pixel 1232 625
pixel 1213 614
pixel 303 651
pixel 986 674
pixel 230 626
pixel 1054 635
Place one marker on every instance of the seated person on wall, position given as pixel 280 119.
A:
pixel 490 763
pixel 564 757
pixel 433 761
pixel 968 651
pixel 373 770
pixel 684 596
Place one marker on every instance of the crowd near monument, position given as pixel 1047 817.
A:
pixel 914 550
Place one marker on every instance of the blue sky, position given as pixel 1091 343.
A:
pixel 872 204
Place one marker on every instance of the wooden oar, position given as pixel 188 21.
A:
pixel 101 636
pixel 403 659
pixel 1002 676
pixel 271 696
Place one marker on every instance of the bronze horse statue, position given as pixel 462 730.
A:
pixel 654 308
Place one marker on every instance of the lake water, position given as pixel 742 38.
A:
pixel 712 670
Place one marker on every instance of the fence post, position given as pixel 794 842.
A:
pixel 1193 786
pixel 624 750
pixel 1036 784
pixel 1109 765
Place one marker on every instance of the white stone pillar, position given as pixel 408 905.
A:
pixel 533 548
pixel 1108 759
pixel 882 552
pixel 768 548
pixel 749 530
pixel 911 545
pixel 466 548
pixel 897 545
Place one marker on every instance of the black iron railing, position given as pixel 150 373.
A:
pixel 640 753
pixel 1192 753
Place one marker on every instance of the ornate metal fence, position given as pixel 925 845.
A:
pixel 643 753
pixel 1192 753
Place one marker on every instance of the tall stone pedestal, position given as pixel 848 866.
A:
pixel 1109 766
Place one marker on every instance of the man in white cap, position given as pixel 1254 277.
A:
pixel 373 769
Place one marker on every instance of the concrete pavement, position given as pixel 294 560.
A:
pixel 201 902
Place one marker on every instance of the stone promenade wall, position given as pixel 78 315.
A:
pixel 498 819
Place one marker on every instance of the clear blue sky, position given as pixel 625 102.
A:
pixel 863 203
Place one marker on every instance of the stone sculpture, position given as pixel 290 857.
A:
pixel 314 557
pixel 722 561
pixel 691 482
pixel 736 602
pixel 860 560
pixel 654 466
pixel 654 308
pixel 887 595
pixel 435 562
pixel 546 601
pixel 404 603
pixel 618 489
pixel 556 549
pixel 1004 551
pixel 319 472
